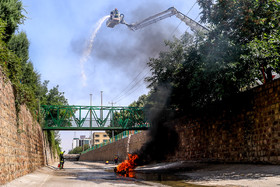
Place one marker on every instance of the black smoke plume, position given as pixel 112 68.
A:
pixel 163 139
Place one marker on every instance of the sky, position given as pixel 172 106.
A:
pixel 59 33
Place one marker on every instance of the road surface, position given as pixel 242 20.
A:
pixel 79 174
pixel 178 174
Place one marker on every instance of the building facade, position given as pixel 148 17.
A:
pixel 99 137
pixel 76 142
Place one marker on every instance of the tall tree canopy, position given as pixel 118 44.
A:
pixel 11 12
pixel 252 25
pixel 198 70
pixel 14 60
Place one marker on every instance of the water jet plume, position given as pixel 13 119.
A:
pixel 87 50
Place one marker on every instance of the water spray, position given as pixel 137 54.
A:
pixel 88 49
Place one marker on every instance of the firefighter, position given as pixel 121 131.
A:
pixel 61 158
pixel 116 159
pixel 116 13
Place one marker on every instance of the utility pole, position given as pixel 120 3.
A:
pixel 90 117
pixel 112 119
pixel 101 111
pixel 90 110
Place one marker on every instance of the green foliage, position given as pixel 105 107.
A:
pixel 8 60
pixel 14 60
pixel 123 115
pixel 54 97
pixel 140 102
pixel 263 53
pixel 54 141
pixel 2 29
pixel 79 149
pixel 241 20
pixel 252 26
pixel 11 12
pixel 19 44
pixel 197 71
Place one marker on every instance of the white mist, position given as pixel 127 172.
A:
pixel 88 49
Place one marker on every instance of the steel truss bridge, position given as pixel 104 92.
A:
pixel 93 118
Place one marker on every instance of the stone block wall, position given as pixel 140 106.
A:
pixel 21 138
pixel 242 129
pixel 121 148
pixel 245 128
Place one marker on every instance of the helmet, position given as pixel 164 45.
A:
pixel 61 152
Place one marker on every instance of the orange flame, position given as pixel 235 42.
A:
pixel 127 167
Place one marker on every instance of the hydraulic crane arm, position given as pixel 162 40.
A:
pixel 165 14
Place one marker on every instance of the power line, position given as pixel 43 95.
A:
pixel 127 87
pixel 181 20
pixel 136 83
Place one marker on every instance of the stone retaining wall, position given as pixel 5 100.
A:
pixel 243 129
pixel 121 148
pixel 21 138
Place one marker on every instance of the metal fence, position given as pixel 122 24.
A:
pixel 118 137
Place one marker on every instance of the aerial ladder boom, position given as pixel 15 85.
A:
pixel 165 14
pixel 189 22
pixel 152 19
pixel 157 17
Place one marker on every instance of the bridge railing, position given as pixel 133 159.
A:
pixel 93 118
pixel 118 137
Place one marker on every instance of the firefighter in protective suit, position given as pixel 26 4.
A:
pixel 61 158
pixel 116 13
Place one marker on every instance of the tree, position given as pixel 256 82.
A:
pixel 252 25
pixel 8 60
pixel 241 20
pixel 197 71
pixel 11 12
pixel 54 97
pixel 123 115
pixel 14 59
pixel 78 150
pixel 19 44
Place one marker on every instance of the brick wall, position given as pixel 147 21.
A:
pixel 121 148
pixel 245 128
pixel 21 141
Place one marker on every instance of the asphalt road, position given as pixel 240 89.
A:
pixel 78 174
pixel 177 174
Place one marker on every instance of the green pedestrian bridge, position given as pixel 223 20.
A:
pixel 93 118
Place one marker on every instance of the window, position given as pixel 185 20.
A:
pixel 97 135
pixel 104 135
pixel 86 141
pixel 96 140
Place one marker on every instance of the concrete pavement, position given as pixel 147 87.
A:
pixel 77 174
